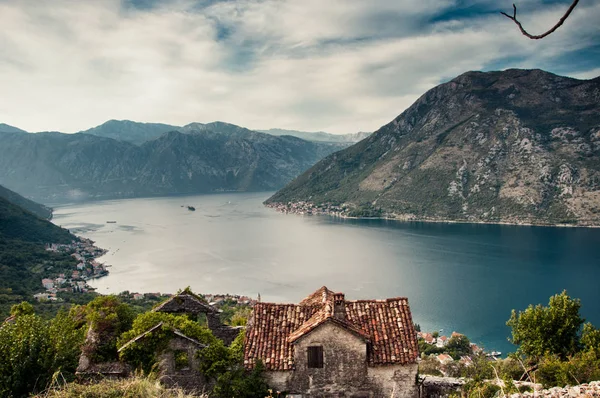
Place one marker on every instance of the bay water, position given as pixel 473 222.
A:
pixel 457 277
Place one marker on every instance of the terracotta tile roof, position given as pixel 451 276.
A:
pixel 320 317
pixel 385 324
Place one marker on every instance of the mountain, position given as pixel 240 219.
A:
pixel 16 223
pixel 52 166
pixel 320 135
pixel 23 258
pixel 39 210
pixel 126 130
pixel 517 146
pixel 5 128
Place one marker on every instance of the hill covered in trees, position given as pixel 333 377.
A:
pixel 33 207
pixel 23 258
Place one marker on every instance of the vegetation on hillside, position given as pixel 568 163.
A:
pixel 23 258
pixel 134 387
pixel 38 209
pixel 50 349
pixel 19 224
pixel 555 347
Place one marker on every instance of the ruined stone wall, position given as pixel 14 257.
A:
pixel 188 378
pixel 345 372
pixel 397 381
pixel 224 333
pixel 439 387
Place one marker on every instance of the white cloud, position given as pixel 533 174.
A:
pixel 339 66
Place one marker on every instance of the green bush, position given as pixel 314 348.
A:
pixel 32 350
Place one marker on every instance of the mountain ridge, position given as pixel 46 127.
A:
pixel 515 146
pixel 39 210
pixel 52 166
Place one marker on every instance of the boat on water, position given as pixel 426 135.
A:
pixel 191 208
pixel 111 222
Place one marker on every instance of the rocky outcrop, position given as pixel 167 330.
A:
pixel 518 146
pixel 588 390
pixel 443 387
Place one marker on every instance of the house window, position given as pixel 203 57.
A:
pixel 181 360
pixel 315 357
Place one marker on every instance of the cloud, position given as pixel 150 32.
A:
pixel 339 66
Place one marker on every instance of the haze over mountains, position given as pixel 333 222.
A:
pixel 518 146
pixel 121 159
pixel 320 135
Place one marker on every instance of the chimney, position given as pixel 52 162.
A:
pixel 339 306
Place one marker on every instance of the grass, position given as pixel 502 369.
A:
pixel 133 387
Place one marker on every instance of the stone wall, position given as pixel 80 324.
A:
pixel 588 390
pixel 442 387
pixel 439 387
pixel 345 372
pixel 188 377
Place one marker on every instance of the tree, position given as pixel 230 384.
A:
pixel 549 31
pixel 553 330
pixel 458 346
pixel 590 338
pixel 108 318
pixel 32 350
pixel 22 309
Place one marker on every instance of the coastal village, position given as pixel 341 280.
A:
pixel 308 208
pixel 84 251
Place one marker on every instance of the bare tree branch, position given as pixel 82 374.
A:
pixel 535 37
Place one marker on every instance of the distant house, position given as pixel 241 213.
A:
pixel 428 337
pixel 47 283
pixel 138 296
pixel 441 341
pixel 41 296
pixel 444 359
pixel 466 360
pixel 475 348
pixel 329 346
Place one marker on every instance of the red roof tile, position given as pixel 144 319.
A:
pixel 386 325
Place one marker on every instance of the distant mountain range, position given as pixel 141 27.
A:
pixel 196 158
pixel 320 135
pixel 517 146
pixel 138 133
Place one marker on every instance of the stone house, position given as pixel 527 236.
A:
pixel 327 346
pixel 188 303
pixel 178 362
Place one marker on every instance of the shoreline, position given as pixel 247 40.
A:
pixel 309 209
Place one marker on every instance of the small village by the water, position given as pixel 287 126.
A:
pixel 86 253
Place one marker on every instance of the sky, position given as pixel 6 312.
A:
pixel 339 66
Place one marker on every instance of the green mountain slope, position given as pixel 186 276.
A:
pixel 23 258
pixel 16 223
pixel 518 146
pixel 33 207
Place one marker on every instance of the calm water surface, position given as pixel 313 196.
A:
pixel 456 276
